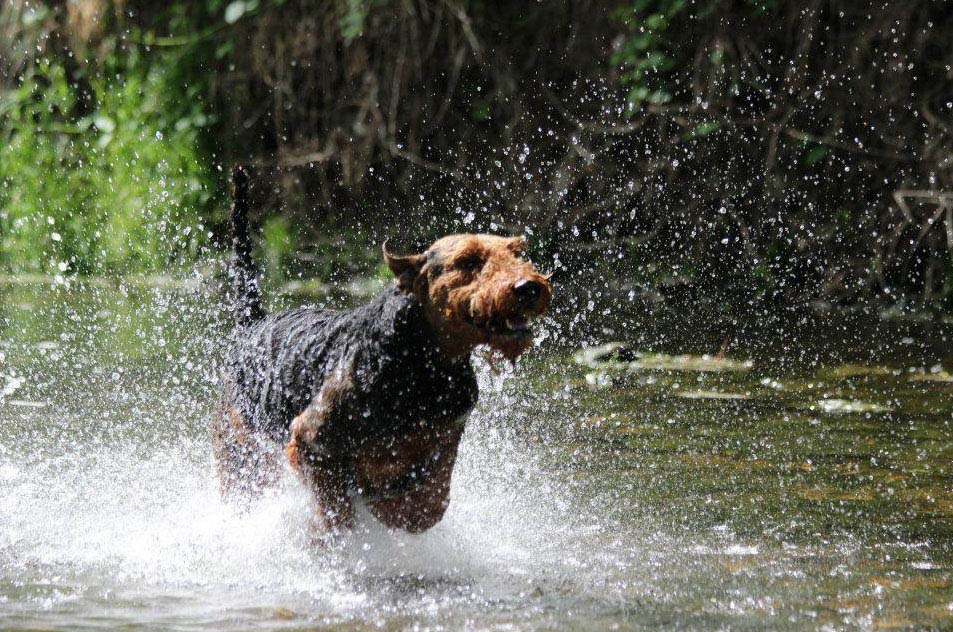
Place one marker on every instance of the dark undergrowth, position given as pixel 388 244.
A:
pixel 771 151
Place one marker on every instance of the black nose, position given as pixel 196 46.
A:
pixel 527 291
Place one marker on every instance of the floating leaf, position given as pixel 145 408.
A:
pixel 850 406
pixel 857 370
pixel 616 355
pixel 718 395
pixel 828 493
pixel 931 376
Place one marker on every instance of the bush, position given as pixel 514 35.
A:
pixel 767 150
pixel 120 188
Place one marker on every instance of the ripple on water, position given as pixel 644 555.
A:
pixel 678 503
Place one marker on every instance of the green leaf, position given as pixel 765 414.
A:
pixel 659 97
pixel 224 49
pixel 352 22
pixel 481 111
pixel 816 154
pixel 703 129
pixel 656 22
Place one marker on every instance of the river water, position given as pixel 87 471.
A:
pixel 810 490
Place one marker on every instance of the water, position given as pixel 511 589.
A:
pixel 795 495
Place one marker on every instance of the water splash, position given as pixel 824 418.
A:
pixel 98 508
pixel 570 506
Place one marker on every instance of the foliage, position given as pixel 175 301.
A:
pixel 646 55
pixel 791 134
pixel 754 148
pixel 119 188
pixel 278 244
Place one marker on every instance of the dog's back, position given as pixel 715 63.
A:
pixel 278 366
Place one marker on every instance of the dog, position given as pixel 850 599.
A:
pixel 372 401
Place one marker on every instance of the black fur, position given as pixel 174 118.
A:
pixel 242 273
pixel 386 350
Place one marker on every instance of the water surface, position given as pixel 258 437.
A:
pixel 811 491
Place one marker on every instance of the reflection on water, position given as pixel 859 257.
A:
pixel 789 495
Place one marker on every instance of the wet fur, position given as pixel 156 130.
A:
pixel 373 400
pixel 339 390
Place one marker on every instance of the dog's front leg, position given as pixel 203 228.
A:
pixel 422 505
pixel 320 465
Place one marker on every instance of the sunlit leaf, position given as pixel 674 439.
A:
pixel 235 10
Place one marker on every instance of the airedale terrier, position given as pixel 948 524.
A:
pixel 371 401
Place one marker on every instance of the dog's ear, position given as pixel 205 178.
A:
pixel 516 245
pixel 405 268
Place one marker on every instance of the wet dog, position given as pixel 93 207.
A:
pixel 370 401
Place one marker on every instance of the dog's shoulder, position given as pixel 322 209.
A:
pixel 398 369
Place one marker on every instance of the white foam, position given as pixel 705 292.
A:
pixel 128 514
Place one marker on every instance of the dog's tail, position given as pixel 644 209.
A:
pixel 242 273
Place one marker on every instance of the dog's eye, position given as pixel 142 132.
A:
pixel 469 264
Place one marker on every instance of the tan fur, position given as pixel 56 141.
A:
pixel 245 466
pixel 429 451
pixel 462 303
pixel 316 456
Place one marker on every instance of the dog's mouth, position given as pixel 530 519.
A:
pixel 513 327
pixel 511 332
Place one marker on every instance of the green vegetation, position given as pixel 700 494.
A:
pixel 645 54
pixel 121 187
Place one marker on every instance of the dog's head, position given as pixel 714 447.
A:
pixel 476 290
